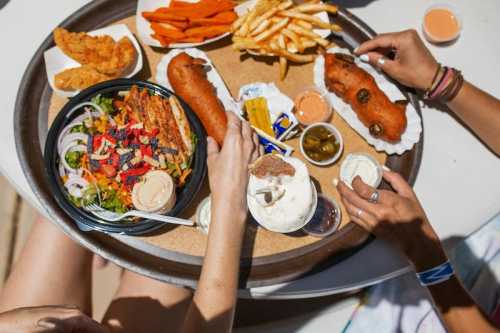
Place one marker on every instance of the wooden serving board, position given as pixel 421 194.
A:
pixel 176 254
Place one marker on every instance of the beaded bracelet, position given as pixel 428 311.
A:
pixel 436 275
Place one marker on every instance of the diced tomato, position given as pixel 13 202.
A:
pixel 134 172
pixel 115 160
pixel 146 151
pixel 110 138
pixel 125 143
pixel 96 143
pixel 108 170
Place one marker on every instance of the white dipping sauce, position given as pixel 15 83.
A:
pixel 204 215
pixel 294 199
pixel 155 193
pixel 363 166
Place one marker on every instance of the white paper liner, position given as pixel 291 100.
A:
pixel 144 30
pixel 212 75
pixel 414 126
pixel 56 61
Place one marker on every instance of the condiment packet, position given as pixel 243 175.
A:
pixel 280 107
pixel 56 61
pixel 144 30
pixel 414 123
pixel 271 145
pixel 212 75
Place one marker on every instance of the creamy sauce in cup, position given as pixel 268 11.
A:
pixel 441 25
pixel 363 166
pixel 311 107
pixel 155 193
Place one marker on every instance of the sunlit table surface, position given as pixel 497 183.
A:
pixel 459 179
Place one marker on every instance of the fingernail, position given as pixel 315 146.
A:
pixel 356 50
pixel 46 324
pixel 364 58
pixel 335 182
pixel 386 168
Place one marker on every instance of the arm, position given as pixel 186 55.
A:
pixel 212 309
pixel 481 112
pixel 477 109
pixel 399 218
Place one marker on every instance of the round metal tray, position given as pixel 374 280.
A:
pixel 30 122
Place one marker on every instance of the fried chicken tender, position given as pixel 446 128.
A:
pixel 78 78
pixel 385 120
pixel 102 53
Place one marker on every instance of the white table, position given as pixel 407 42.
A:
pixel 459 180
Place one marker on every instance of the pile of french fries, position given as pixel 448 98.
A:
pixel 281 28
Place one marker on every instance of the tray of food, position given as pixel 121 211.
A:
pixel 134 139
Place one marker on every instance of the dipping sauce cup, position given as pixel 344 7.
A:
pixel 312 107
pixel 441 24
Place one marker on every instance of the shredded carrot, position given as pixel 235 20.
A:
pixel 183 177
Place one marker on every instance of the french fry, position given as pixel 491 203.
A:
pixel 291 47
pixel 239 22
pixel 307 43
pixel 303 32
pixel 294 37
pixel 335 28
pixel 207 32
pixel 306 17
pixel 257 22
pixel 303 24
pixel 321 41
pixel 282 41
pixel 169 33
pixel 283 68
pixel 268 33
pixel 245 43
pixel 285 5
pixel 314 8
pixel 262 26
pixel 300 58
pixel 245 26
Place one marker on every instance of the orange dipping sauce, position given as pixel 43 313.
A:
pixel 441 25
pixel 311 107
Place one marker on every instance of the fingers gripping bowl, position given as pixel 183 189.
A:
pixel 130 155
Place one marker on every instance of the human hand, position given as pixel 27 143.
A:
pixel 413 65
pixel 228 168
pixel 396 217
pixel 48 319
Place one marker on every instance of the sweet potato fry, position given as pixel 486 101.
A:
pixel 202 9
pixel 177 24
pixel 162 39
pixel 190 40
pixel 208 32
pixel 157 16
pixel 169 33
pixel 222 18
pixel 180 4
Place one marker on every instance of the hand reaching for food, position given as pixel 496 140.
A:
pixel 48 319
pixel 413 66
pixel 228 168
pixel 395 216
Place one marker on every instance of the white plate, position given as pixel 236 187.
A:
pixel 212 75
pixel 414 124
pixel 144 30
pixel 56 61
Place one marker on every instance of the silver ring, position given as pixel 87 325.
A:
pixel 359 212
pixel 381 61
pixel 374 197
